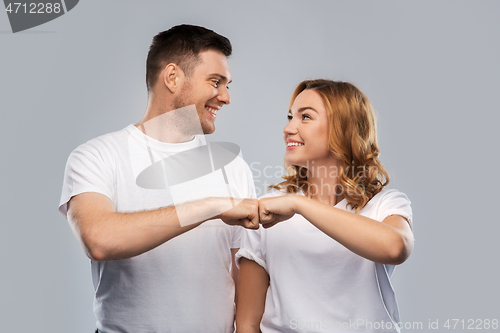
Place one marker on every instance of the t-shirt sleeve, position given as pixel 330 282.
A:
pixel 86 171
pixel 252 247
pixel 247 183
pixel 395 203
pixel 236 236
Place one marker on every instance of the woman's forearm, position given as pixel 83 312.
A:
pixel 386 242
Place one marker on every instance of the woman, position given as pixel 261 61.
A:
pixel 333 233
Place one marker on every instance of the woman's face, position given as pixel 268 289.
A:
pixel 306 135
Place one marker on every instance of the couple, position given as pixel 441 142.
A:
pixel 165 252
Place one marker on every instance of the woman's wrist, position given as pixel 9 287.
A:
pixel 297 202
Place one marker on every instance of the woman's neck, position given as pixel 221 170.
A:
pixel 325 186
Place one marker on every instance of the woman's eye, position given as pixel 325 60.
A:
pixel 289 117
pixel 305 116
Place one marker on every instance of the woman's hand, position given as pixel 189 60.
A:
pixel 276 209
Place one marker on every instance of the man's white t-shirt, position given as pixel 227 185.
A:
pixel 318 285
pixel 183 285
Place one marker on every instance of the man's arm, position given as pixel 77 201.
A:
pixel 108 235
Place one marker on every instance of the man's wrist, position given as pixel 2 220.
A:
pixel 217 206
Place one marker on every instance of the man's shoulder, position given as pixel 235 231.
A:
pixel 105 142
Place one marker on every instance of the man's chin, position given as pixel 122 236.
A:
pixel 207 126
pixel 209 130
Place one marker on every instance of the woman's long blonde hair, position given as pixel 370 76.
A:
pixel 352 140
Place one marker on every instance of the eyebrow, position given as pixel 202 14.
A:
pixel 305 108
pixel 221 77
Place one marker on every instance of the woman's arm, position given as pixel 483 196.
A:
pixel 389 242
pixel 251 292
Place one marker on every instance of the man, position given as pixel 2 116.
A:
pixel 162 244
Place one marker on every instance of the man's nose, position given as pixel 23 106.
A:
pixel 224 95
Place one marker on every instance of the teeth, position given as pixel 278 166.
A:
pixel 213 111
pixel 292 144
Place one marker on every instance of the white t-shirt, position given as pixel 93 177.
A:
pixel 183 285
pixel 318 285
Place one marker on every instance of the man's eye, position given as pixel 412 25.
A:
pixel 216 83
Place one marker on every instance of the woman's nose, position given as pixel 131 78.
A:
pixel 290 128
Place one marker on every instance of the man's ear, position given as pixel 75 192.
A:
pixel 172 76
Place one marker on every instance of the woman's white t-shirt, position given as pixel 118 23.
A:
pixel 318 285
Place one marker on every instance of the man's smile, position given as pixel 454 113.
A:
pixel 213 110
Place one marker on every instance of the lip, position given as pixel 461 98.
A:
pixel 217 108
pixel 292 147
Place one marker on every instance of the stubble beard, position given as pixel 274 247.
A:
pixel 192 127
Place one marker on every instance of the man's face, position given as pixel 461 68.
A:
pixel 207 88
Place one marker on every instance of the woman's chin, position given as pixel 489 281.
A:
pixel 294 162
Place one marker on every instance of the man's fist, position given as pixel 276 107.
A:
pixel 245 212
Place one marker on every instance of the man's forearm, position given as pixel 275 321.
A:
pixel 109 235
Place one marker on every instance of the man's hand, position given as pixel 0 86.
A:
pixel 276 209
pixel 244 213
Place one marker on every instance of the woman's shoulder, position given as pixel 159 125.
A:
pixel 386 196
pixel 388 202
pixel 388 193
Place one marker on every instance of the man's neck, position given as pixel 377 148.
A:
pixel 166 135
pixel 170 126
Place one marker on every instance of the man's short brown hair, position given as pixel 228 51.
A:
pixel 182 45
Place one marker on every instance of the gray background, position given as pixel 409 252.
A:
pixel 430 68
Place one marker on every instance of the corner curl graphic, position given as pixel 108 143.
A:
pixel 26 15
